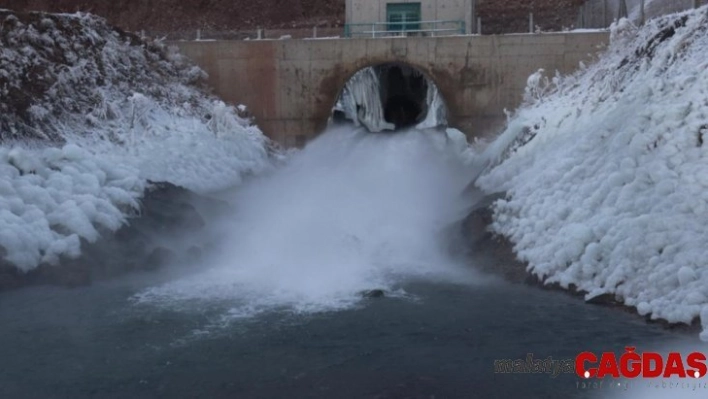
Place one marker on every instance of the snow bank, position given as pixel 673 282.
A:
pixel 89 114
pixel 606 172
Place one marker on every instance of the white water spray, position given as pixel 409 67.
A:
pixel 351 212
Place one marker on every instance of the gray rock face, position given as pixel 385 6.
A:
pixel 376 293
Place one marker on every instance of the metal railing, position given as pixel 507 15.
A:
pixel 253 34
pixel 392 29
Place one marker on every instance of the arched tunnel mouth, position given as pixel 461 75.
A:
pixel 390 97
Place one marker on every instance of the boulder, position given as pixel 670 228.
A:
pixel 375 293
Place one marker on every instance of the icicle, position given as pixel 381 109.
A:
pixel 436 114
pixel 361 100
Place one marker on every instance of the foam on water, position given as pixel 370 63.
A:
pixel 351 212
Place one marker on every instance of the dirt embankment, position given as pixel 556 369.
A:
pixel 178 16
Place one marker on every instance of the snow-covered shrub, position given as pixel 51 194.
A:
pixel 537 86
pixel 223 119
pixel 50 199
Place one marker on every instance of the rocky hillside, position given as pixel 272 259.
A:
pixel 57 70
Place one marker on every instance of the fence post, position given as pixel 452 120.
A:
pixel 314 31
pixel 581 17
pixel 605 12
pixel 622 11
pixel 373 30
pixel 479 25
pixel 199 34
pixel 473 19
pixel 641 12
pixel 531 22
pixel 260 34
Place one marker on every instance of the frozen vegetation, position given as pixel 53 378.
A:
pixel 606 172
pixel 89 115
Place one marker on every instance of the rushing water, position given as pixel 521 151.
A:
pixel 275 311
pixel 354 211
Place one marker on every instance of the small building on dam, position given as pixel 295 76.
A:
pixel 411 18
pixel 418 50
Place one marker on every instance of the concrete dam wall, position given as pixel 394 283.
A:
pixel 290 86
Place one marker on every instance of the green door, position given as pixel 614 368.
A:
pixel 403 16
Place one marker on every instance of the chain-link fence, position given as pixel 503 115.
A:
pixel 497 17
pixel 601 13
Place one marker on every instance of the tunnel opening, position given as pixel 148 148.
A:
pixel 403 93
pixel 390 97
pixel 402 111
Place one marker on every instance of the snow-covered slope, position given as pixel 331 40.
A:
pixel 607 173
pixel 89 114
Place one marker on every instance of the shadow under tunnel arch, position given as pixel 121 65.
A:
pixel 390 97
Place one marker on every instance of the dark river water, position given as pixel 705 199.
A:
pixel 440 342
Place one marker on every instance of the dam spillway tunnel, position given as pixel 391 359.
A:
pixel 390 97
